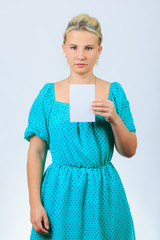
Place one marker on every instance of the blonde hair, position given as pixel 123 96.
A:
pixel 83 22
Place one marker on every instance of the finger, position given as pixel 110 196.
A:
pixel 102 109
pixel 100 103
pixel 46 222
pixel 97 113
pixel 99 109
pixel 103 114
pixel 35 227
pixel 40 227
pixel 101 100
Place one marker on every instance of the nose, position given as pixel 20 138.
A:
pixel 80 55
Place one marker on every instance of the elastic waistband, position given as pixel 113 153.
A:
pixel 81 167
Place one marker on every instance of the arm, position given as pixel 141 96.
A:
pixel 35 167
pixel 125 141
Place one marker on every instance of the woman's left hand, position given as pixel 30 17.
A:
pixel 107 109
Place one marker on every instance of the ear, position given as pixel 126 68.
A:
pixel 63 47
pixel 99 50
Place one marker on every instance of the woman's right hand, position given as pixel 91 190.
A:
pixel 37 216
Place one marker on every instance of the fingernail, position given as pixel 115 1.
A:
pixel 47 227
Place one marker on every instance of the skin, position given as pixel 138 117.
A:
pixel 35 167
pixel 125 141
pixel 80 52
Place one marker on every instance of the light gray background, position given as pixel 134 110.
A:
pixel 31 35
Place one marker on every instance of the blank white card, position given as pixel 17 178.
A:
pixel 81 98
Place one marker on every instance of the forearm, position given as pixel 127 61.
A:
pixel 35 168
pixel 126 141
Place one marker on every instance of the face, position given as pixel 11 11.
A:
pixel 81 47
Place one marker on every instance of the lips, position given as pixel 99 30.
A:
pixel 80 64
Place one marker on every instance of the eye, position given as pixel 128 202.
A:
pixel 89 47
pixel 73 47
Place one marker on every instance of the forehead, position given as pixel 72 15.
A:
pixel 81 37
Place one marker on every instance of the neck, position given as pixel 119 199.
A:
pixel 82 79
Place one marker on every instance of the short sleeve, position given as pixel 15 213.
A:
pixel 37 123
pixel 123 107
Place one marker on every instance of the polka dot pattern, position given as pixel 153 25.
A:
pixel 81 190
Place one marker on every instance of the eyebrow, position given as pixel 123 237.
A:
pixel 85 46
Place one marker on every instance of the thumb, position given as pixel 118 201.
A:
pixel 46 222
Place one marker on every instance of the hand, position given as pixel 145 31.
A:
pixel 107 108
pixel 37 215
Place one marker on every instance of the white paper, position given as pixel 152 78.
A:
pixel 81 98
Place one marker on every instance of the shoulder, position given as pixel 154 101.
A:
pixel 117 89
pixel 102 82
pixel 47 96
pixel 47 87
pixel 46 91
pixel 115 85
pixel 118 95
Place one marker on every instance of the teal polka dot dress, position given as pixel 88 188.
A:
pixel 81 190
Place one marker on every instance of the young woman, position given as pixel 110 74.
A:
pixel 80 196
